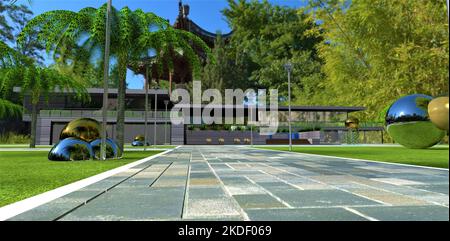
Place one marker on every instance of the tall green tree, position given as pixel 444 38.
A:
pixel 267 36
pixel 378 50
pixel 13 19
pixel 39 84
pixel 8 58
pixel 80 36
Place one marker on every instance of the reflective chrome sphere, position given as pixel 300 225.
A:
pixel 408 124
pixel 112 149
pixel 352 123
pixel 71 149
pixel 86 129
pixel 139 138
pixel 438 112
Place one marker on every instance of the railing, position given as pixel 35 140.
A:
pixel 98 113
pixel 327 124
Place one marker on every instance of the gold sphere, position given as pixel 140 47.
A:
pixel 352 123
pixel 86 129
pixel 438 112
pixel 139 138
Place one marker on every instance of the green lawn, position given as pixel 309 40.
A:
pixel 433 157
pixel 24 174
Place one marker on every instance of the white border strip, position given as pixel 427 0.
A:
pixel 22 206
pixel 353 159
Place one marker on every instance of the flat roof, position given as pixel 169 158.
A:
pixel 286 108
pixel 112 91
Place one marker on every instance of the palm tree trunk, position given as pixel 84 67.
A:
pixel 120 127
pixel 105 81
pixel 34 113
pixel 146 108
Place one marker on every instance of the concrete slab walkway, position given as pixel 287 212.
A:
pixel 240 183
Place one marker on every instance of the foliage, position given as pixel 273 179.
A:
pixel 268 37
pixel 377 51
pixel 13 19
pixel 13 138
pixel 8 109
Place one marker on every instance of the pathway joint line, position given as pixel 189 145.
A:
pixel 360 214
pixel 239 208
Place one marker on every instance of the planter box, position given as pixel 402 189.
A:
pixel 200 137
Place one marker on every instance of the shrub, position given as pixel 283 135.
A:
pixel 13 138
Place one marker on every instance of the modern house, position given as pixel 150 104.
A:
pixel 311 124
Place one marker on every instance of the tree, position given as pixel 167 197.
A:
pixel 268 37
pixel 214 74
pixel 39 83
pixel 77 37
pixel 377 51
pixel 8 58
pixel 13 19
pixel 167 45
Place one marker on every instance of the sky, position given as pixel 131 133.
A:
pixel 206 13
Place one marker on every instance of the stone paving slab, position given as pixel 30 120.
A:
pixel 304 214
pixel 239 183
pixel 407 213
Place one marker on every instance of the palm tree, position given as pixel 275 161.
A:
pixel 80 36
pixel 8 58
pixel 167 45
pixel 39 83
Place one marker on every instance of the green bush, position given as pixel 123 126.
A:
pixel 13 138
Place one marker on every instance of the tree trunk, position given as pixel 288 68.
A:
pixel 146 107
pixel 34 113
pixel 120 126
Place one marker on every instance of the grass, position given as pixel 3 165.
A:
pixel 432 157
pixel 23 175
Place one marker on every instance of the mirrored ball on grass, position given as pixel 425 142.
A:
pixel 139 141
pixel 352 123
pixel 86 129
pixel 71 149
pixel 438 112
pixel 407 122
pixel 112 149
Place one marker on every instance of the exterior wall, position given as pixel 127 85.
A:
pixel 314 137
pixel 177 134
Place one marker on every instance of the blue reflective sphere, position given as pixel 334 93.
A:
pixel 112 149
pixel 71 149
pixel 137 143
pixel 407 122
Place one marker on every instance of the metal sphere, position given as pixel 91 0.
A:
pixel 139 138
pixel 438 112
pixel 408 124
pixel 71 149
pixel 112 149
pixel 352 123
pixel 86 129
pixel 139 141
